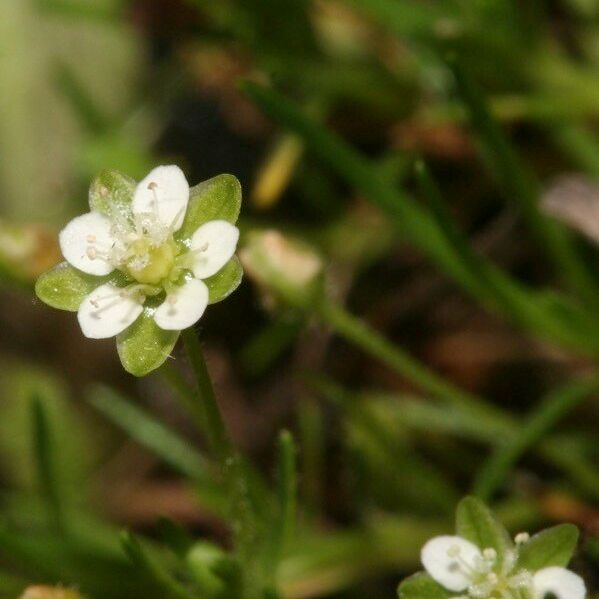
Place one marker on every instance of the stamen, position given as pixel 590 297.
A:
pixel 521 538
pixel 172 226
pixel 153 186
pixel 125 292
pixel 509 561
pixel 490 554
pixel 93 253
pixel 459 563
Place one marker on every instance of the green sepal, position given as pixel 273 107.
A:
pixel 477 523
pixel 218 198
pixel 421 586
pixel 144 346
pixel 65 287
pixel 112 190
pixel 554 546
pixel 225 281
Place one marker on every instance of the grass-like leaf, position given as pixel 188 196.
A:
pixel 44 452
pixel 153 568
pixel 554 407
pixel 418 225
pixel 149 432
pixel 521 185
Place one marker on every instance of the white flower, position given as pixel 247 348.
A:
pixel 461 567
pixel 142 245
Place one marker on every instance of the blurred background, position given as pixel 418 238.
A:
pixel 481 265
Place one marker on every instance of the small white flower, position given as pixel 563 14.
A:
pixel 471 572
pixel 142 245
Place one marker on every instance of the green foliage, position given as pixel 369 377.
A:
pixel 555 406
pixel 149 432
pixel 44 452
pixel 562 321
pixel 142 559
pixel 207 563
pixel 369 365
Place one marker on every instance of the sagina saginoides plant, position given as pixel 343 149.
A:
pixel 146 260
pixel 482 562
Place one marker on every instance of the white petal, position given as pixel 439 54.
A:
pixel 165 193
pixel 559 582
pixel 86 241
pixel 439 561
pixel 183 307
pixel 213 245
pixel 107 311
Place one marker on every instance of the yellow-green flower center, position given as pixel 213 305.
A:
pixel 150 265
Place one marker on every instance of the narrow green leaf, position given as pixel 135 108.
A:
pixel 44 452
pixel 111 190
pixel 225 281
pixel 203 560
pixel 83 104
pixel 218 198
pixel 312 435
pixel 417 224
pixel 287 488
pixel 476 523
pixel 65 287
pixel 148 563
pixel 580 143
pixel 267 345
pixel 521 185
pixel 421 586
pixel 144 346
pixel 554 546
pixel 174 535
pixel 551 409
pixel 149 432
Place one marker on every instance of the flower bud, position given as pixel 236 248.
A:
pixel 28 250
pixel 45 592
pixel 276 263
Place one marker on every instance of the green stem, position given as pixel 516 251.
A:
pixel 245 520
pixel 185 392
pixel 214 425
